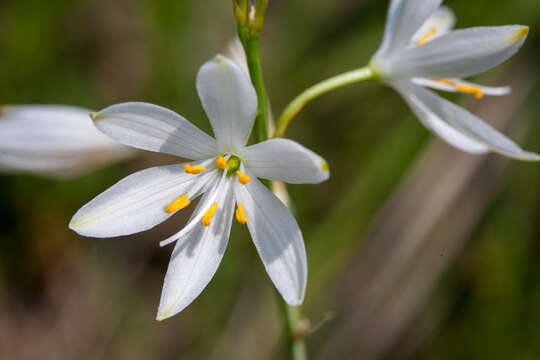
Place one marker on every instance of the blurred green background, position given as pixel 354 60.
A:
pixel 415 249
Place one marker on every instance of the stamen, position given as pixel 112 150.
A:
pixel 241 215
pixel 221 162
pixel 466 89
pixel 178 204
pixel 424 39
pixel 209 214
pixel 243 178
pixel 194 170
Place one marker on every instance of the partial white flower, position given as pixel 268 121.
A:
pixel 420 50
pixel 54 141
pixel 224 171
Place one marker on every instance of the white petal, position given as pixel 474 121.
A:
pixel 458 126
pixel 460 53
pixel 442 21
pixel 286 160
pixel 405 18
pixel 229 100
pixel 154 128
pixel 53 140
pixel 235 51
pixel 196 258
pixel 444 86
pixel 137 202
pixel 277 237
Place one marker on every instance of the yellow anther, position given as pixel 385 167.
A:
pixel 93 116
pixel 424 39
pixel 206 220
pixel 221 162
pixel 178 204
pixel 240 214
pixel 466 89
pixel 194 170
pixel 243 178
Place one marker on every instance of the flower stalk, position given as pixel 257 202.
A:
pixel 250 22
pixel 351 77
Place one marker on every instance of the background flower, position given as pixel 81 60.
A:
pixel 54 141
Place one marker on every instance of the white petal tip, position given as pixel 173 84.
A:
pixel 295 302
pixel 520 33
pixel 324 166
pixel 160 317
pixel 166 313
pixel 528 156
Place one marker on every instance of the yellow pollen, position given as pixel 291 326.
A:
pixel 424 39
pixel 221 162
pixel 194 170
pixel 466 89
pixel 93 116
pixel 241 215
pixel 243 178
pixel 178 204
pixel 209 214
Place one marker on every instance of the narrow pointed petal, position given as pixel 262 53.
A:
pixel 444 86
pixel 196 258
pixel 441 22
pixel 54 141
pixel 277 237
pixel 137 202
pixel 458 126
pixel 229 100
pixel 154 128
pixel 287 161
pixel 460 53
pixel 405 18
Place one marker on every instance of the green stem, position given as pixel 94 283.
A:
pixel 296 347
pixel 351 77
pixel 251 46
pixel 249 31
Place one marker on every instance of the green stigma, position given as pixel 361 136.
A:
pixel 233 164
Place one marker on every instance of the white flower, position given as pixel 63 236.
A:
pixel 421 50
pixel 54 141
pixel 224 171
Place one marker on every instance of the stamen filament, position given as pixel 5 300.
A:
pixel 243 178
pixel 178 204
pixel 194 170
pixel 206 220
pixel 240 214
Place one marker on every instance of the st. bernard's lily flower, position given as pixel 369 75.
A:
pixel 223 170
pixel 53 141
pixel 420 50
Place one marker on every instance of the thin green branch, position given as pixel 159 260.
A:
pixel 351 77
pixel 250 23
